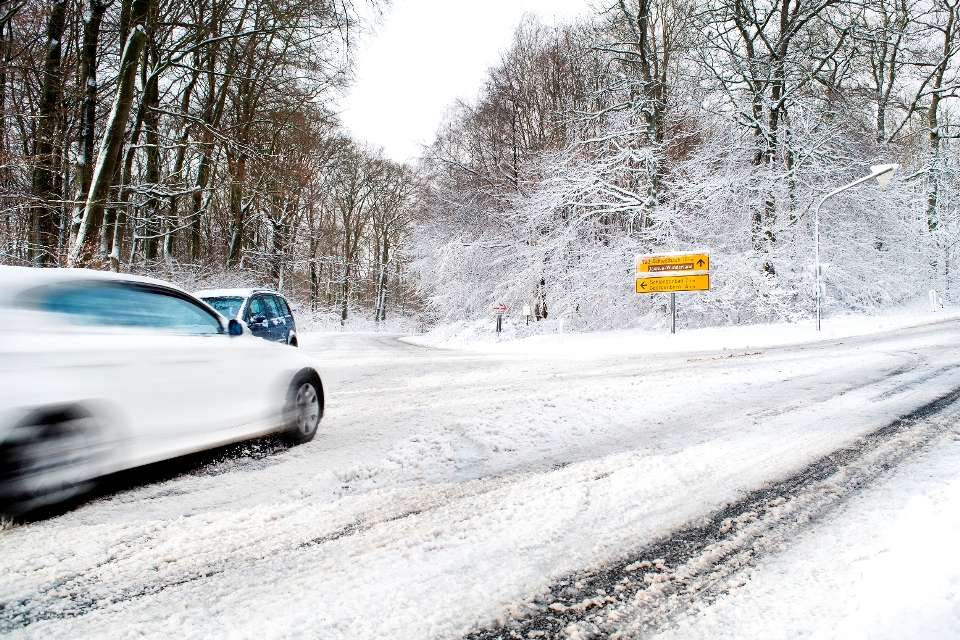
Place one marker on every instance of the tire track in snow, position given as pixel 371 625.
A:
pixel 71 596
pixel 638 594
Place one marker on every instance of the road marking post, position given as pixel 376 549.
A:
pixel 499 309
pixel 673 312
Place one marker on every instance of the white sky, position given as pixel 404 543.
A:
pixel 423 56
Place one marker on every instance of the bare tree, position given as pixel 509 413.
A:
pixel 101 181
pixel 45 191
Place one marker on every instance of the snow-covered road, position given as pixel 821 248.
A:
pixel 448 490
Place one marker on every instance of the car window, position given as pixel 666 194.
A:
pixel 283 306
pixel 229 306
pixel 273 309
pixel 256 307
pixel 125 305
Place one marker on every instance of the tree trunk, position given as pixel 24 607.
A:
pixel 133 13
pixel 203 174
pixel 238 172
pixel 44 212
pixel 110 147
pixel 345 291
pixel 933 194
pixel 173 217
pixel 88 80
pixel 381 312
pixel 151 125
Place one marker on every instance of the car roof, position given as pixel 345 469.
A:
pixel 14 280
pixel 226 293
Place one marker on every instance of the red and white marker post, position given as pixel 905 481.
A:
pixel 499 309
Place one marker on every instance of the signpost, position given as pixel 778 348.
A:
pixel 673 272
pixel 499 309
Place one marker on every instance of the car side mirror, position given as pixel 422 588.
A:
pixel 235 327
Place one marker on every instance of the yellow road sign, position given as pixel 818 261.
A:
pixel 673 262
pixel 668 284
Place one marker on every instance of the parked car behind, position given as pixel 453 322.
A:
pixel 265 312
pixel 101 372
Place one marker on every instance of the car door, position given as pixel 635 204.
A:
pixel 275 322
pixel 257 317
pixel 285 321
pixel 158 361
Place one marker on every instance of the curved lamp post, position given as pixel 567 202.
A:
pixel 883 173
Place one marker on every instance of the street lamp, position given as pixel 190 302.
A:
pixel 883 174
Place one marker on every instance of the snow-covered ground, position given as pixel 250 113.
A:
pixel 448 486
pixel 883 566
pixel 550 336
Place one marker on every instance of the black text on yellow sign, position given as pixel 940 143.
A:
pixel 677 262
pixel 669 284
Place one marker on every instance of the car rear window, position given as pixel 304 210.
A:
pixel 282 304
pixel 124 305
pixel 229 306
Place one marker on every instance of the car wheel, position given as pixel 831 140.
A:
pixel 292 341
pixel 304 408
pixel 49 458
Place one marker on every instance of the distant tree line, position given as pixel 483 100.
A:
pixel 185 138
pixel 673 124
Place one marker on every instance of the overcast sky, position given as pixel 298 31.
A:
pixel 424 55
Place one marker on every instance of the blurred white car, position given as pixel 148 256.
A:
pixel 101 372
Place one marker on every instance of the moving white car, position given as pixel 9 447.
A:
pixel 101 372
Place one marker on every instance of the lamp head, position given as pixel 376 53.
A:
pixel 884 173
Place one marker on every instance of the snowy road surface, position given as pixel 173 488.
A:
pixel 450 492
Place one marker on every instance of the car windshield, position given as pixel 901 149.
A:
pixel 229 306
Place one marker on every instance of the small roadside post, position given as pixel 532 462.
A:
pixel 500 309
pixel 673 312
pixel 673 272
pixel 527 312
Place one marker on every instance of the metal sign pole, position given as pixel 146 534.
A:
pixel 673 313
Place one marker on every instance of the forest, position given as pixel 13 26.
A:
pixel 662 125
pixel 200 142
pixel 196 141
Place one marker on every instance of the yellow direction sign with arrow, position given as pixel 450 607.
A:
pixel 673 272
pixel 672 283
pixel 673 262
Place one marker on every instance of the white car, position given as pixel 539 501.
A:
pixel 101 372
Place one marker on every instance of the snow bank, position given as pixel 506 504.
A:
pixel 550 337
pixel 883 567
pixel 329 321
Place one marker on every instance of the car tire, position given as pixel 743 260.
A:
pixel 304 407
pixel 49 458
pixel 292 341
